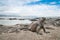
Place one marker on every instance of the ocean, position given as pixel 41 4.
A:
pixel 13 22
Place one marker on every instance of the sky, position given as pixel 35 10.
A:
pixel 45 8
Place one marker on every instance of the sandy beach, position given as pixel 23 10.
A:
pixel 15 33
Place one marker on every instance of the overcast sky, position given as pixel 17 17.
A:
pixel 30 7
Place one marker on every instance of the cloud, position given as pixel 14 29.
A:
pixel 14 2
pixel 36 10
pixel 53 3
pixel 17 7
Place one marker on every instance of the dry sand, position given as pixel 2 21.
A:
pixel 28 35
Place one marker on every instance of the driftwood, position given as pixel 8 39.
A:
pixel 39 23
pixel 33 27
